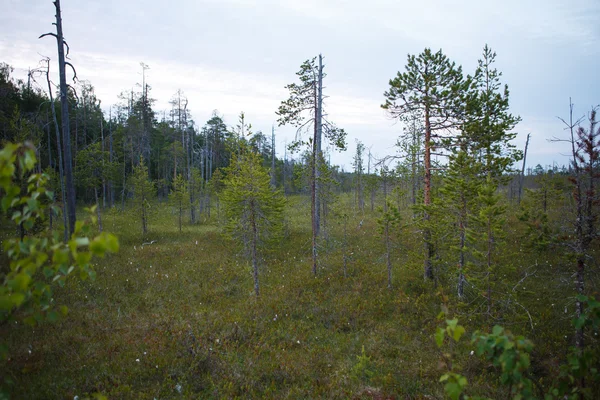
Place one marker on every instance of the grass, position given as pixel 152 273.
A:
pixel 178 319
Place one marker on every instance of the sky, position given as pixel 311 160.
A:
pixel 238 55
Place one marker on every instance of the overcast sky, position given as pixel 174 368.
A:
pixel 237 55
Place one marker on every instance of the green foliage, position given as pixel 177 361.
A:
pixel 541 231
pixel 511 355
pixel 302 102
pixel 389 219
pixel 247 192
pixel 253 211
pixel 362 371
pixel 452 330
pixel 580 376
pixel 489 122
pixel 179 197
pixel 94 167
pixel 143 193
pixel 37 264
pixel 432 86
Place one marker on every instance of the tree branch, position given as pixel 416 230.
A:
pixel 68 49
pixel 48 34
pixel 74 71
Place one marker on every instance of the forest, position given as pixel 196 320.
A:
pixel 144 256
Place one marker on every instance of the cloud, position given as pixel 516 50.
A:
pixel 237 55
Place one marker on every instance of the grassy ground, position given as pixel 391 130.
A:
pixel 178 319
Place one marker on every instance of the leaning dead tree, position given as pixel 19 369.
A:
pixel 64 102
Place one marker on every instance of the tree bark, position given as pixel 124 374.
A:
pixel 427 199
pixel 98 214
pixel 254 246
pixel 60 158
pixel 70 187
pixel 522 176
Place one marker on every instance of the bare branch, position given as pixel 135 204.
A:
pixel 49 34
pixel 74 71
pixel 68 49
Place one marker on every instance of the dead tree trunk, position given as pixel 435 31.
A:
pixel 522 177
pixel 60 158
pixel 66 131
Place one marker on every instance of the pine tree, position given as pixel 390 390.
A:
pixel 253 211
pixel 433 86
pixel 489 123
pixel 459 193
pixel 179 196
pixel 490 221
pixel 306 98
pixel 94 168
pixel 143 193
pixel 358 175
pixel 486 136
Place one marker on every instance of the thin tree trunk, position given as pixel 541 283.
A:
pixel 345 246
pixel 60 158
pixel 313 203
pixel 318 137
pixel 522 177
pixel 387 231
pixel 110 159
pixel 70 186
pixel 273 181
pixel 254 245
pixel 490 244
pixel 98 209
pixel 427 199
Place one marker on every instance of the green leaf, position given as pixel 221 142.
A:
pixel 112 243
pixel 5 303
pixel 453 390
pixel 17 298
pixel 52 316
pixel 439 337
pixel 20 282
pixel 82 258
pixel 98 246
pixel 458 332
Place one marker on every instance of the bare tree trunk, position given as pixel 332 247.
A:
pixel 254 245
pixel 461 263
pixel 462 242
pixel 273 181
pixel 314 209
pixel 111 188
pixel 98 214
pixel 522 177
pixel 427 199
pixel 60 158
pixel 318 138
pixel 180 213
pixel 70 186
pixel 490 244
pixel 345 246
pixel 103 180
pixel 387 230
